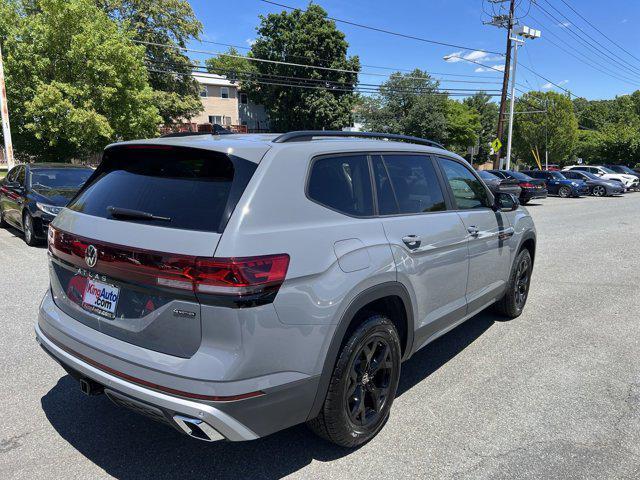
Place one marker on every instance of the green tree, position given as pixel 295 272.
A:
pixel 163 22
pixel 488 112
pixel 408 104
pixel 310 38
pixel 463 125
pixel 75 82
pixel 232 66
pixel 557 128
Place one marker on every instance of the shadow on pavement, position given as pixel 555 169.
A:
pixel 129 446
pixel 18 234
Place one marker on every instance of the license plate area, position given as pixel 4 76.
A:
pixel 101 298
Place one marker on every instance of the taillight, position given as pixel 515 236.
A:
pixel 239 276
pixel 218 276
pixel 526 185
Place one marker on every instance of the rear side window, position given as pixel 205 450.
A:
pixel 195 189
pixel 407 183
pixel 468 191
pixel 342 183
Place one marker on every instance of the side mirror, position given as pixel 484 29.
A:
pixel 506 202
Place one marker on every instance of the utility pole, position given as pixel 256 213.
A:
pixel 517 43
pixel 4 111
pixel 507 22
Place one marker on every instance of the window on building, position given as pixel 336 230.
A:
pixel 224 92
pixel 215 119
pixel 244 99
pixel 203 91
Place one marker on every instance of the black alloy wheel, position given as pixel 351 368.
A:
pixel 369 382
pixel 517 291
pixel 363 384
pixel 523 278
pixel 599 191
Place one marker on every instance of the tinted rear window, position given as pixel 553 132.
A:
pixel 343 184
pixel 196 189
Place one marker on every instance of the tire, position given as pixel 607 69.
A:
pixel 3 223
pixel 524 201
pixel 515 297
pixel 599 191
pixel 29 233
pixel 564 192
pixel 341 421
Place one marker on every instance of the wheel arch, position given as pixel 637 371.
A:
pixel 529 242
pixel 391 295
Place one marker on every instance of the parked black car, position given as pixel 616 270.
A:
pixel 31 195
pixel 598 186
pixel 558 184
pixel 500 185
pixel 531 187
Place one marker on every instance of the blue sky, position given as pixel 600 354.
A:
pixel 460 22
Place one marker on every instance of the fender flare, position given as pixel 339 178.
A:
pixel 363 298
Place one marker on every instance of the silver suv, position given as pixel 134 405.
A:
pixel 235 285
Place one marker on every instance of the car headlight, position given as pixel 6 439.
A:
pixel 50 209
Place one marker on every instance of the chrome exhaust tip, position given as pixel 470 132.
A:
pixel 197 428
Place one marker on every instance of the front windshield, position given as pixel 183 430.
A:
pixel 626 169
pixel 59 178
pixel 557 175
pixel 606 170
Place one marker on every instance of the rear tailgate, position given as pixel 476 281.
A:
pixel 127 276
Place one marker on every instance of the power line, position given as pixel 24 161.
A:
pixel 231 72
pixel 599 31
pixel 388 32
pixel 264 60
pixel 604 54
pixel 250 76
pixel 336 89
pixel 362 64
pixel 586 60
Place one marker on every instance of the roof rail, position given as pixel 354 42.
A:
pixel 308 135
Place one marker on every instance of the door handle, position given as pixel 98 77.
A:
pixel 473 231
pixel 412 241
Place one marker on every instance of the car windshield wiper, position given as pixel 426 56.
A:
pixel 124 213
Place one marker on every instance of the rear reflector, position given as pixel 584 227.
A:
pixel 222 276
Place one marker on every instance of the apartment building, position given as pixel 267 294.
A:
pixel 225 104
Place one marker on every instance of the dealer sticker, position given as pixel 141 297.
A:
pixel 101 298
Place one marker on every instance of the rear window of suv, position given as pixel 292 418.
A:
pixel 196 189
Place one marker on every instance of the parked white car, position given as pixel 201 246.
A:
pixel 629 181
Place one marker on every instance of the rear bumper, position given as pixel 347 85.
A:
pixel 531 194
pixel 281 405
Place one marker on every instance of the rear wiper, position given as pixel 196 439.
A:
pixel 124 213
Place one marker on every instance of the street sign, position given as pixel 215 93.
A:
pixel 496 145
pixel 579 161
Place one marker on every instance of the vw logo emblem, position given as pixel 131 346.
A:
pixel 91 256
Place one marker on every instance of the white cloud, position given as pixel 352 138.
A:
pixel 250 41
pixel 548 86
pixel 474 55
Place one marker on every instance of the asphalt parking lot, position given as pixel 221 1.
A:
pixel 553 394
